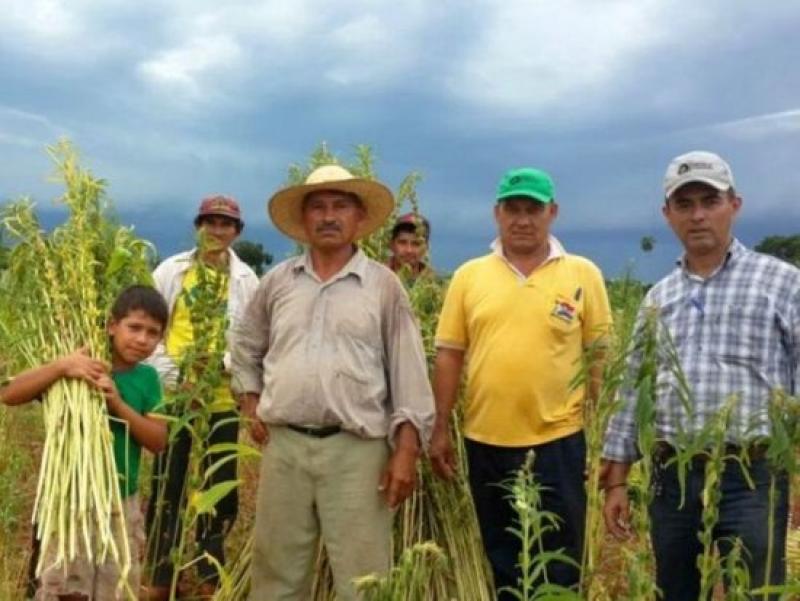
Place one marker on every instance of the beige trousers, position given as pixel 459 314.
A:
pixel 311 487
pixel 98 582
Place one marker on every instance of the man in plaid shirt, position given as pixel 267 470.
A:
pixel 732 319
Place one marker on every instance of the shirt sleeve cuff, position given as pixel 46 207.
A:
pixel 621 450
pixel 422 422
pixel 456 346
pixel 246 382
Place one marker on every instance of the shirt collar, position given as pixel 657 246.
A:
pixel 556 252
pixel 357 265
pixel 556 249
pixel 735 250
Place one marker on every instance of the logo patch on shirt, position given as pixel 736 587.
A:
pixel 564 310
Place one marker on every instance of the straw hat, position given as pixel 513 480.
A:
pixel 286 206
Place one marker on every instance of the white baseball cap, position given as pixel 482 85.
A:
pixel 698 166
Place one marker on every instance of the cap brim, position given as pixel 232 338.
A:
pixel 286 206
pixel 695 179
pixel 528 195
pixel 218 214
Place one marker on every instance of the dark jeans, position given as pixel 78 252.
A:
pixel 743 513
pixel 169 479
pixel 559 467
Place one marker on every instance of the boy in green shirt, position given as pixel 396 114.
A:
pixel 132 392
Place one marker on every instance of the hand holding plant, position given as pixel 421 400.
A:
pixel 442 454
pixel 400 476
pixel 111 394
pixel 80 365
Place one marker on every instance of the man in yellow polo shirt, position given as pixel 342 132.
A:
pixel 520 318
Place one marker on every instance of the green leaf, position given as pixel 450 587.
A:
pixel 242 450
pixel 119 259
pixel 206 501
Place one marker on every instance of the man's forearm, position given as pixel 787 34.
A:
pixel 406 438
pixel 446 380
pixel 617 474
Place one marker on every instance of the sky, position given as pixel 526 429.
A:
pixel 172 100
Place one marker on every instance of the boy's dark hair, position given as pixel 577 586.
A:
pixel 403 228
pixel 408 224
pixel 141 298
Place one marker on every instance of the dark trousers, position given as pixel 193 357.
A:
pixel 559 467
pixel 32 582
pixel 169 479
pixel 743 513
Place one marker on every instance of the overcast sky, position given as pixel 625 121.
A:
pixel 176 99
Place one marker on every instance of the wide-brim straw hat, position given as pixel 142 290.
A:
pixel 286 206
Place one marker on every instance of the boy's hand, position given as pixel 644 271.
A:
pixel 81 366
pixel 109 390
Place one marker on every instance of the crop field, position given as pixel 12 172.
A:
pixel 437 547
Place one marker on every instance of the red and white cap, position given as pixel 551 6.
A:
pixel 220 204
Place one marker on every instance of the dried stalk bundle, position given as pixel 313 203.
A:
pixel 60 286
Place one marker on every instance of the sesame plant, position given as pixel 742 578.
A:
pixel 409 579
pixel 55 291
pixel 531 525
pixel 59 287
pixel 189 407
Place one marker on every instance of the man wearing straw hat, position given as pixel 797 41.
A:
pixel 330 367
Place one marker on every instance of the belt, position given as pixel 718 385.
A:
pixel 663 451
pixel 322 432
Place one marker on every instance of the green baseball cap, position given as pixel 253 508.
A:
pixel 525 181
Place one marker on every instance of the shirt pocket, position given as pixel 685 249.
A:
pixel 359 345
pixel 742 331
pixel 564 315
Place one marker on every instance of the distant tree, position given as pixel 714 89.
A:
pixel 783 247
pixel 253 254
pixel 647 243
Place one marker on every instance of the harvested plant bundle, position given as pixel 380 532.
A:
pixel 58 288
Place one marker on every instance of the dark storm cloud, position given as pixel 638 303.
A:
pixel 177 99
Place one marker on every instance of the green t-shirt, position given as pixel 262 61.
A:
pixel 140 388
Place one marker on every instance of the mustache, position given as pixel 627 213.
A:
pixel 328 227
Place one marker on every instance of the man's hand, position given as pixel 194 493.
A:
pixel 81 366
pixel 258 429
pixel 400 476
pixel 616 512
pixel 443 457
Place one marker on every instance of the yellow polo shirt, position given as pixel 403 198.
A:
pixel 524 339
pixel 181 335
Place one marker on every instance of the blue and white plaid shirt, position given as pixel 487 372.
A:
pixel 736 332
